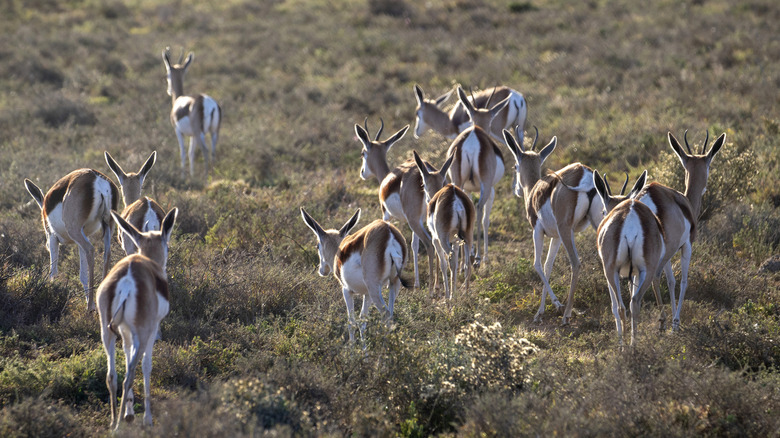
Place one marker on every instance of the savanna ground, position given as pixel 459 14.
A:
pixel 256 342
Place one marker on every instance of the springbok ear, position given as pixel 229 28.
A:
pixel 350 224
pixel 362 135
pixel 446 166
pixel 601 187
pixel 420 164
pixel 547 150
pixel 512 144
pixel 465 101
pixel 35 192
pixel 418 94
pixel 716 147
pixel 311 223
pixel 167 58
pixel 397 136
pixel 168 222
pixel 115 167
pixel 127 228
pixel 443 98
pixel 148 164
pixel 638 185
pixel 677 148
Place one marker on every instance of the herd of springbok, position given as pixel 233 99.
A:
pixel 637 234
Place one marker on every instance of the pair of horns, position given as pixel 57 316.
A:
pixel 703 148
pixel 521 137
pixel 381 127
pixel 622 190
pixel 181 57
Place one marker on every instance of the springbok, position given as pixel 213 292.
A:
pixel 558 205
pixel 477 166
pixel 75 209
pixel 363 263
pixel 132 300
pixel 192 115
pixel 679 214
pixel 451 213
pixel 630 244
pixel 510 110
pixel 401 193
pixel 143 213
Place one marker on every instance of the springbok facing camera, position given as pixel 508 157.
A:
pixel 509 110
pixel 132 300
pixel 451 213
pixel 143 213
pixel 400 193
pixel 75 209
pixel 192 115
pixel 630 244
pixel 557 205
pixel 363 263
pixel 679 214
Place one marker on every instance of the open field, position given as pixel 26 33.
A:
pixel 256 342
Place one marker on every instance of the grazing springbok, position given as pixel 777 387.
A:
pixel 401 193
pixel 679 214
pixel 132 300
pixel 630 244
pixel 509 110
pixel 557 205
pixel 192 115
pixel 363 263
pixel 143 213
pixel 75 209
pixel 451 213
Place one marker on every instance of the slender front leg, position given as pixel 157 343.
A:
pixel 146 368
pixel 486 222
pixel 552 253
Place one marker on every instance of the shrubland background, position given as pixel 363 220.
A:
pixel 256 342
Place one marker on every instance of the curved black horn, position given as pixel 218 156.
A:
pixel 625 184
pixel 487 104
pixel 535 138
pixel 606 184
pixel 706 139
pixel 685 137
pixel 381 127
pixel 181 57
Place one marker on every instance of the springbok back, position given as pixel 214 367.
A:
pixel 75 210
pixel 132 300
pixel 192 115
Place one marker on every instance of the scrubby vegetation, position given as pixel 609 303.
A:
pixel 256 342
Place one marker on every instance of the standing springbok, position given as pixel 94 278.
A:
pixel 451 213
pixel 679 214
pixel 192 115
pixel 143 213
pixel 363 263
pixel 630 244
pixel 477 166
pixel 132 300
pixel 557 205
pixel 401 193
pixel 75 209
pixel 509 110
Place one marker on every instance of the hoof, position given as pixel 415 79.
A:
pixel 129 418
pixel 565 321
